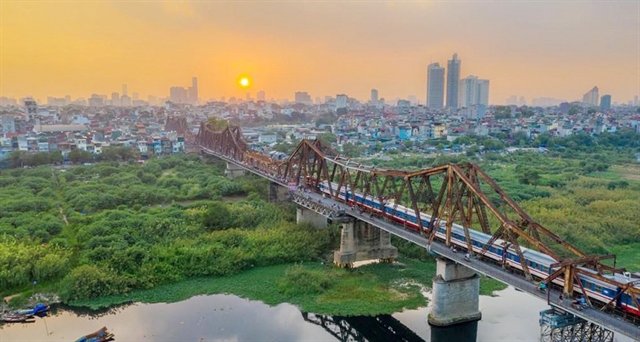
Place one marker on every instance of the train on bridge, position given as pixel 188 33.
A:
pixel 500 252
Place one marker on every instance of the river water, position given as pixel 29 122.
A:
pixel 510 316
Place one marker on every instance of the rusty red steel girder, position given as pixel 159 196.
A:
pixel 451 193
pixel 176 124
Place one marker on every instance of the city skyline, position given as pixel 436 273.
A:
pixel 76 49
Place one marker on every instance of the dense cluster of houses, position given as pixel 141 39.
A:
pixel 171 129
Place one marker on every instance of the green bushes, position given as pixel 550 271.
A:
pixel 299 280
pixel 22 263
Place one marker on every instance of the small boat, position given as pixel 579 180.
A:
pixel 37 310
pixel 101 335
pixel 17 318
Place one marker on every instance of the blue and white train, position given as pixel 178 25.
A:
pixel 539 264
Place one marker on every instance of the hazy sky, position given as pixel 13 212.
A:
pixel 537 48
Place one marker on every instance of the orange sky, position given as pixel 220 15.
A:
pixel 531 49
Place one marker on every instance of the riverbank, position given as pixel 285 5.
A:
pixel 373 289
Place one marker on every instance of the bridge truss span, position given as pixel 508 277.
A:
pixel 457 205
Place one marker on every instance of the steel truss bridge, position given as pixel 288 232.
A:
pixel 454 193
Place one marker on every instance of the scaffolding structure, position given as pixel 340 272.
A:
pixel 560 326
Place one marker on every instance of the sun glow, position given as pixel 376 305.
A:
pixel 244 82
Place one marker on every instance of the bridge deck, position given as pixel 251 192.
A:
pixel 603 319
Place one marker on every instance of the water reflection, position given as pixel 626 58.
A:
pixel 465 332
pixel 512 316
pixel 364 328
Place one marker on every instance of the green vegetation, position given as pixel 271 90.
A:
pixel 109 229
pixel 368 290
pixel 116 232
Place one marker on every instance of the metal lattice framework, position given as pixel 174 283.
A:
pixel 563 327
pixel 461 194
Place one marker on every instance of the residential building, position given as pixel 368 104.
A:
pixel 193 91
pixel 591 97
pixel 453 79
pixel 473 91
pixel 177 95
pixel 303 97
pixel 435 86
pixel 605 102
pixel 341 101
pixel 374 96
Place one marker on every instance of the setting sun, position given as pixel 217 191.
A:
pixel 244 82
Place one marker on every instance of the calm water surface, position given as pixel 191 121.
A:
pixel 511 316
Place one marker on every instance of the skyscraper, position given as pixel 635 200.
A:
pixel 374 96
pixel 177 95
pixel 124 90
pixel 453 80
pixel 605 102
pixel 260 95
pixel 193 91
pixel 473 91
pixel 435 86
pixel 302 97
pixel 591 97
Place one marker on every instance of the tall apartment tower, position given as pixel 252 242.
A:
pixel 435 86
pixel 193 91
pixel 124 90
pixel 374 96
pixel 453 80
pixel 473 91
pixel 605 102
pixel 591 97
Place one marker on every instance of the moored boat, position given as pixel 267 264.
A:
pixel 101 335
pixel 17 318
pixel 37 310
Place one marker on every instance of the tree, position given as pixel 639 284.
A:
pixel 216 217
pixel 351 150
pixel 328 138
pixel 79 156
pixel 529 176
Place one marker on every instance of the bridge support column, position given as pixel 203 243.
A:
pixel 278 193
pixel 304 215
pixel 233 171
pixel 361 241
pixel 455 294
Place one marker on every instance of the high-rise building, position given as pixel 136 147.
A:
pixel 341 101
pixel 260 95
pixel 124 90
pixel 453 80
pixel 605 102
pixel 193 91
pixel 374 96
pixel 178 95
pixel 473 91
pixel 635 100
pixel 435 86
pixel 115 99
pixel 302 97
pixel 591 97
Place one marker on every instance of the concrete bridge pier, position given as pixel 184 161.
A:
pixel 233 171
pixel 455 294
pixel 361 241
pixel 304 215
pixel 278 193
